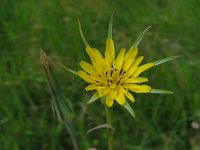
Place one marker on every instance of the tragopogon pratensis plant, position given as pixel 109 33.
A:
pixel 116 78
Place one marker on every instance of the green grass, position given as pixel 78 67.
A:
pixel 163 122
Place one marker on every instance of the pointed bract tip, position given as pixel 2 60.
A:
pixel 157 91
pixel 82 35
pixel 129 109
pixel 70 70
pixel 163 60
pixel 110 25
pixel 137 41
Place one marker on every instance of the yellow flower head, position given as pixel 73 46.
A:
pixel 115 77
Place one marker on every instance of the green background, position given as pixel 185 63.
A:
pixel 163 122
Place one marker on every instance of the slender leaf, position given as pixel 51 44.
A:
pixel 163 60
pixel 156 91
pixel 129 108
pixel 102 126
pixel 93 98
pixel 136 43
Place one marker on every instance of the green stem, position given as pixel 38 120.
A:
pixel 70 130
pixel 109 119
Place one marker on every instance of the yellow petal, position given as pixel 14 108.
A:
pixel 121 89
pixel 142 69
pixel 100 92
pixel 109 101
pixel 136 80
pixel 138 60
pixel 140 88
pixel 87 67
pixel 135 64
pixel 85 76
pixel 130 97
pixel 127 64
pixel 106 91
pixel 99 68
pixel 110 49
pixel 98 55
pixel 91 53
pixel 97 60
pixel 108 59
pixel 113 94
pixel 131 54
pixel 120 98
pixel 91 87
pixel 119 59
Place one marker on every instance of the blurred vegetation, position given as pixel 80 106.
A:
pixel 163 122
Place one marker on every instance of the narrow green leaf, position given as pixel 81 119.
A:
pixel 163 60
pixel 110 26
pixel 82 35
pixel 136 43
pixel 102 126
pixel 93 98
pixel 156 91
pixel 129 108
pixel 63 66
pixel 61 106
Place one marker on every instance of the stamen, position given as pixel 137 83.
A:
pixel 111 73
pixel 118 82
pixel 121 71
pixel 108 80
pixel 130 77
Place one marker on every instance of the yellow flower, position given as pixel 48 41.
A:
pixel 118 77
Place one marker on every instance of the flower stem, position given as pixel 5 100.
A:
pixel 109 119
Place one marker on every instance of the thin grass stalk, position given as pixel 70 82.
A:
pixel 61 106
